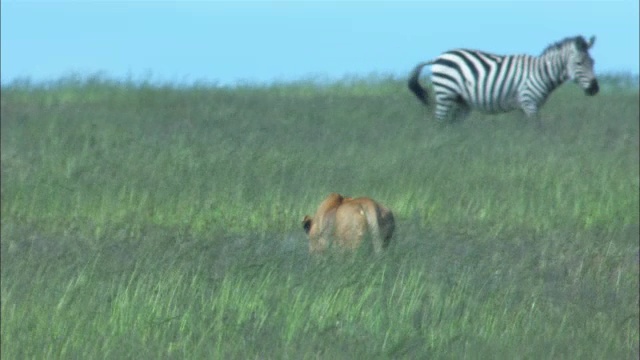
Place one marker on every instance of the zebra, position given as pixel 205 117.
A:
pixel 470 79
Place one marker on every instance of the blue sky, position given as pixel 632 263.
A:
pixel 261 42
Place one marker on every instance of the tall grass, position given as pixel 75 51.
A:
pixel 156 221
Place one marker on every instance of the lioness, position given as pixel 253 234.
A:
pixel 347 221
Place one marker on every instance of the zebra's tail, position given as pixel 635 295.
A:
pixel 414 84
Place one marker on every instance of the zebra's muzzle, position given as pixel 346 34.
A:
pixel 593 88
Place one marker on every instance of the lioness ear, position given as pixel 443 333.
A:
pixel 306 224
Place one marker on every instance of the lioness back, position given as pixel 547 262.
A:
pixel 351 224
pixel 347 222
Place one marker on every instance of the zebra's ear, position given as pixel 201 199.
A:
pixel 592 41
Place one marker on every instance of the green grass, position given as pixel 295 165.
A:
pixel 144 221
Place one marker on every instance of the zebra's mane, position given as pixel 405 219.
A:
pixel 579 41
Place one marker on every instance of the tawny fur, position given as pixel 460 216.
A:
pixel 346 222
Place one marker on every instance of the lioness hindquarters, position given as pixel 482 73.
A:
pixel 351 225
pixel 347 222
pixel 381 225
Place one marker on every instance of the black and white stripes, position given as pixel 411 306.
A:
pixel 469 79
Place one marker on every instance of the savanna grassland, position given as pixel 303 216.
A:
pixel 149 221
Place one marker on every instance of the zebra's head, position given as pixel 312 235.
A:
pixel 580 65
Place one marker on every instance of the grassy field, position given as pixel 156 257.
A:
pixel 156 222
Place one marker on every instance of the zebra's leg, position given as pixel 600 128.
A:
pixel 537 121
pixel 530 109
pixel 446 108
pixel 462 111
pixel 535 116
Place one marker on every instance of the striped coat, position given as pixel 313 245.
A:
pixel 469 79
